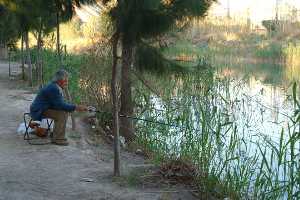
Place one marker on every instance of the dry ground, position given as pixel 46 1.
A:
pixel 74 172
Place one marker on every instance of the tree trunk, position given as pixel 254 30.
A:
pixel 115 107
pixel 42 68
pixel 3 50
pixel 9 66
pixel 28 60
pixel 67 92
pixel 23 59
pixel 58 37
pixel 126 96
pixel 69 98
pixel 39 57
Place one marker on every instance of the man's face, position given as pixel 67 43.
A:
pixel 63 83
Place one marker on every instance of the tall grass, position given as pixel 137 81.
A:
pixel 269 49
pixel 199 126
pixel 72 63
pixel 291 53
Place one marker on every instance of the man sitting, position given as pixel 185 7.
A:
pixel 49 103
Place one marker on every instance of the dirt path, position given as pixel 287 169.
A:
pixel 50 172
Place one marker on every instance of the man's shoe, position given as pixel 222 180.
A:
pixel 62 142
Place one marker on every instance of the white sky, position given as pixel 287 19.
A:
pixel 258 9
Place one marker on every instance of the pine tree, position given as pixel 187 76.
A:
pixel 8 34
pixel 139 20
pixel 135 22
pixel 26 14
pixel 41 17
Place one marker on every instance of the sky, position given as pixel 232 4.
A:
pixel 258 9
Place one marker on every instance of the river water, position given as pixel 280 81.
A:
pixel 234 112
pixel 265 91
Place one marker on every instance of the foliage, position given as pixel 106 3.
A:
pixel 269 50
pixel 291 52
pixel 143 19
pixel 138 20
pixel 36 14
pixel 95 81
pixel 135 21
pixel 151 59
pixel 270 25
pixel 72 63
pixel 8 34
pixel 98 27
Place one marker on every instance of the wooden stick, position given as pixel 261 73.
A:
pixel 69 98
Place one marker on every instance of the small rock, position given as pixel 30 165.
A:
pixel 139 152
pixel 92 120
pixel 89 180
pixel 122 141
pixel 110 137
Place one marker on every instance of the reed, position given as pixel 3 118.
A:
pixel 203 130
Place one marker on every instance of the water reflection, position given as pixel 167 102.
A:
pixel 265 92
pixel 255 96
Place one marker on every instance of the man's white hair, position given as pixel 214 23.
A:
pixel 60 75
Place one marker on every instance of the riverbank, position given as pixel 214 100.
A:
pixel 56 172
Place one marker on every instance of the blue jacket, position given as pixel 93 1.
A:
pixel 49 97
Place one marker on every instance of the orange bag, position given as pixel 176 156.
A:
pixel 41 132
pixel 32 125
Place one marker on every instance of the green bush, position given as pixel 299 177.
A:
pixel 269 50
pixel 51 63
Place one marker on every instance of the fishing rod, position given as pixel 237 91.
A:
pixel 93 109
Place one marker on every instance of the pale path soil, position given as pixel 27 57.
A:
pixel 50 172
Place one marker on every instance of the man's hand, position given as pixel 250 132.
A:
pixel 81 108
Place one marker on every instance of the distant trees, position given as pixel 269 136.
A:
pixel 8 34
pixel 270 25
pixel 37 16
